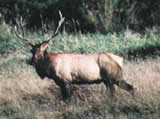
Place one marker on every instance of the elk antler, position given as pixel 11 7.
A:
pixel 31 42
pixel 59 25
pixel 20 26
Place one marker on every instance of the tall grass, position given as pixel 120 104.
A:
pixel 24 95
pixel 27 96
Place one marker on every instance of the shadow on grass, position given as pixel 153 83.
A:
pixel 149 51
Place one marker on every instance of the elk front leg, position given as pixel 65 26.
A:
pixel 63 88
pixel 64 91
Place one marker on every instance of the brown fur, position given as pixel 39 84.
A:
pixel 68 68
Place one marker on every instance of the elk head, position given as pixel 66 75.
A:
pixel 38 50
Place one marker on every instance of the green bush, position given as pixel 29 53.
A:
pixel 6 43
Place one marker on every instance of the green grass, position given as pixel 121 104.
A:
pixel 125 43
pixel 115 43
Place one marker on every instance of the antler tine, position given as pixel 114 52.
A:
pixel 60 22
pixel 20 26
pixel 18 35
pixel 59 25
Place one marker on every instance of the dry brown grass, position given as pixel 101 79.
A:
pixel 24 94
pixel 145 76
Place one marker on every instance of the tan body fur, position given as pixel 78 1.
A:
pixel 68 68
pixel 82 67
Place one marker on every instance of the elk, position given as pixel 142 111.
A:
pixel 73 68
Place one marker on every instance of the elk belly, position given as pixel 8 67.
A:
pixel 87 72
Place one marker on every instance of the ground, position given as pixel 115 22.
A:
pixel 24 95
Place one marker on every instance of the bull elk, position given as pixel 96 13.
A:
pixel 73 68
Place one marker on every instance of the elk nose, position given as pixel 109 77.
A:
pixel 37 57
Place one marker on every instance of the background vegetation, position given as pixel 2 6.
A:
pixel 85 15
pixel 127 28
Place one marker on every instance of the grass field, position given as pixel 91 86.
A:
pixel 23 95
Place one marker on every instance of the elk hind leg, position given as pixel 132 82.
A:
pixel 120 82
pixel 124 85
pixel 110 87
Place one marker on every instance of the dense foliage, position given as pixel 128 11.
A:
pixel 84 15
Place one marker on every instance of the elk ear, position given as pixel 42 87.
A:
pixel 43 47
